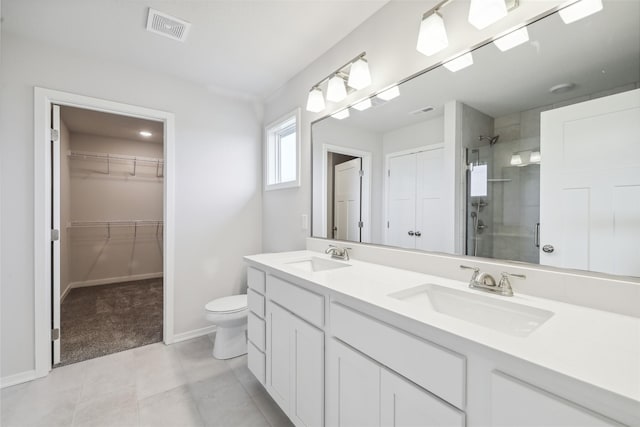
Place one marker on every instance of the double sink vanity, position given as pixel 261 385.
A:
pixel 353 343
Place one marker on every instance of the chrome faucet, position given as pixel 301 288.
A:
pixel 485 282
pixel 338 252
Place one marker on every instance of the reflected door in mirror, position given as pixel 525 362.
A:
pixel 347 203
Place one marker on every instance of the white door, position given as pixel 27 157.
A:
pixel 353 383
pixel 401 203
pixel 404 404
pixel 55 225
pixel 430 229
pixel 590 185
pixel 347 186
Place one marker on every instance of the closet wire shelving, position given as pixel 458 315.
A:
pixel 120 223
pixel 108 158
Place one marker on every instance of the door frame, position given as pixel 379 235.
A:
pixel 365 208
pixel 385 197
pixel 43 100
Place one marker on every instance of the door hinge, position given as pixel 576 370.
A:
pixel 388 172
pixel 54 135
pixel 55 235
pixel 55 334
pixel 387 224
pixel 360 224
pixel 361 172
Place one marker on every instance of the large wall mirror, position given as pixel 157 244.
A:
pixel 530 154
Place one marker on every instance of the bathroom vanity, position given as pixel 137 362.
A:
pixel 352 343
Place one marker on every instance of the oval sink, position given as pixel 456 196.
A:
pixel 315 264
pixel 504 316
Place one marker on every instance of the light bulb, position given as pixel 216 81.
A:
pixel 535 157
pixel 145 133
pixel 432 37
pixel 513 39
pixel 457 64
pixel 359 76
pixel 483 13
pixel 315 101
pixel 336 90
pixel 580 9
pixel 516 160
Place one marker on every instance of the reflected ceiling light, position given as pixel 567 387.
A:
pixel 363 105
pixel 145 133
pixel 341 114
pixel 535 157
pixel 315 101
pixel 516 160
pixel 359 76
pixel 580 9
pixel 457 64
pixel 389 94
pixel 336 90
pixel 483 13
pixel 432 37
pixel 513 39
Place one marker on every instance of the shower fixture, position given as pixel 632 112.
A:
pixel 492 139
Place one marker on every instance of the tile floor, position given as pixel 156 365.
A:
pixel 155 385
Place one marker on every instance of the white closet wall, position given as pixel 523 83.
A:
pixel 108 254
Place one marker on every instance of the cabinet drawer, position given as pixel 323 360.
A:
pixel 256 303
pixel 256 331
pixel 432 367
pixel 255 279
pixel 256 362
pixel 301 302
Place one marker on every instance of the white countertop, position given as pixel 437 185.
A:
pixel 592 346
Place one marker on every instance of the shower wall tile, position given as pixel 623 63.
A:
pixel 509 133
pixel 506 121
pixel 530 122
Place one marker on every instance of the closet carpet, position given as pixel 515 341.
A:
pixel 100 320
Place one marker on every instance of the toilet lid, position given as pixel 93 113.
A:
pixel 228 304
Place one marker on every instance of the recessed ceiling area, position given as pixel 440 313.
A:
pixel 98 123
pixel 245 48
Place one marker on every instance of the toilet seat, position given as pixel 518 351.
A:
pixel 230 304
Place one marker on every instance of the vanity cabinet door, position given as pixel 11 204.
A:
pixel 295 366
pixel 404 404
pixel 353 388
pixel 279 354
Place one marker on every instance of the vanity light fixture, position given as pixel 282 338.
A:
pixel 535 157
pixel 483 13
pixel 432 37
pixel 342 114
pixel 389 94
pixel 516 160
pixel 460 62
pixel 315 101
pixel 580 9
pixel 363 105
pixel 359 76
pixel 336 90
pixel 145 133
pixel 354 73
pixel 513 39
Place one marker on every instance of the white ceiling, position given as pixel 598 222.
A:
pixel 91 122
pixel 237 47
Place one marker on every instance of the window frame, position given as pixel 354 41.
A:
pixel 276 129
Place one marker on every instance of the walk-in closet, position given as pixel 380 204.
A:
pixel 111 181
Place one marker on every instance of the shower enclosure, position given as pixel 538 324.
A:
pixel 503 201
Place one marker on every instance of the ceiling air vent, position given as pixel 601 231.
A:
pixel 422 110
pixel 167 25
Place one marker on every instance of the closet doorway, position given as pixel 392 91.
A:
pixel 107 205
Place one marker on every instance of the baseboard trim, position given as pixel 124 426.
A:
pixel 111 280
pixel 193 334
pixel 19 378
pixel 65 293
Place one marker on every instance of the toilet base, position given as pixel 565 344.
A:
pixel 230 342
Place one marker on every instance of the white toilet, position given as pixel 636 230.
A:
pixel 230 316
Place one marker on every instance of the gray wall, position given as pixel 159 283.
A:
pixel 218 182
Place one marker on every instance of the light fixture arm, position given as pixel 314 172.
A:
pixel 340 71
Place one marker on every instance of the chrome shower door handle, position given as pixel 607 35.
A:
pixel 536 235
